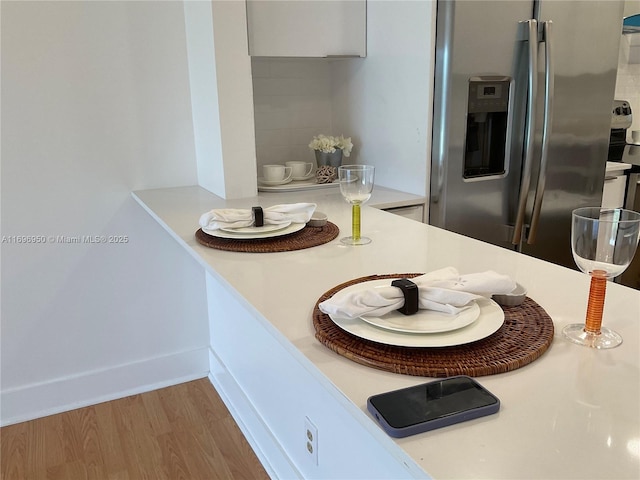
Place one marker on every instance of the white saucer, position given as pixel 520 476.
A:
pixel 274 182
pixel 256 230
pixel 301 179
pixel 425 321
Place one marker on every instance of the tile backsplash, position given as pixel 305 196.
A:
pixel 628 84
pixel 292 103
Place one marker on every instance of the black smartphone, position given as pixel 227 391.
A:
pixel 431 405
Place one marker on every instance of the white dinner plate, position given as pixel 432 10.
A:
pixel 294 227
pixel 489 321
pixel 426 321
pixel 254 230
pixel 423 321
pixel 272 183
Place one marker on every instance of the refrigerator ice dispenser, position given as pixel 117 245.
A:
pixel 487 120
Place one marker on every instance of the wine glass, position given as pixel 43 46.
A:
pixel 603 242
pixel 356 184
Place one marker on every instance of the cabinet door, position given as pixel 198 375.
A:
pixel 613 192
pixel 306 28
pixel 414 212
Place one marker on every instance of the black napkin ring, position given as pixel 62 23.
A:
pixel 258 216
pixel 410 292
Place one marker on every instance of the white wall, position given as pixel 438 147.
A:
pixel 631 7
pixel 292 104
pixel 221 96
pixel 95 104
pixel 387 97
pixel 383 102
pixel 235 102
pixel 628 83
pixel 204 99
pixel 628 79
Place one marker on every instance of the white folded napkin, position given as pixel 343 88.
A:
pixel 442 290
pixel 242 217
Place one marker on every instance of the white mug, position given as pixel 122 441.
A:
pixel 276 173
pixel 300 169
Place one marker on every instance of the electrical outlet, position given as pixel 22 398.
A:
pixel 311 440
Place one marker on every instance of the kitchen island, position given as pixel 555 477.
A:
pixel 572 413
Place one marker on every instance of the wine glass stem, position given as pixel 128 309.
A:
pixel 595 307
pixel 355 221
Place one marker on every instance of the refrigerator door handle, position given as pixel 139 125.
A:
pixel 531 35
pixel 546 129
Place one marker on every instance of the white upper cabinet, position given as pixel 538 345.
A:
pixel 307 28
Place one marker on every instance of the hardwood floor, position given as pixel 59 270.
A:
pixel 179 432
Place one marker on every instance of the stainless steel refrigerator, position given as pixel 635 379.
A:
pixel 522 118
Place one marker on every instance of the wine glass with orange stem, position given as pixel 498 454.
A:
pixel 603 241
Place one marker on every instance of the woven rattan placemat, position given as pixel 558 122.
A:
pixel 525 335
pixel 305 238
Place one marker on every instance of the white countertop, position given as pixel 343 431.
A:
pixel 573 413
pixel 617 168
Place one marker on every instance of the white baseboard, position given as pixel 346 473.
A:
pixel 68 393
pixel 273 457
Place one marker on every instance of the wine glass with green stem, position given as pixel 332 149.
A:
pixel 356 185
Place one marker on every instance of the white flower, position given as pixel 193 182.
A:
pixel 329 144
pixel 346 145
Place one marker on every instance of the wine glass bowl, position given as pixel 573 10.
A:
pixel 356 185
pixel 604 239
pixel 603 242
